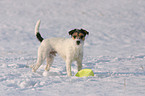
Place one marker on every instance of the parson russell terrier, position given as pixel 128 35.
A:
pixel 70 49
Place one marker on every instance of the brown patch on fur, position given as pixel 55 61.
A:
pixel 74 35
pixel 77 35
pixel 53 53
pixel 81 36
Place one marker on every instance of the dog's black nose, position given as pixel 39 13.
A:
pixel 78 42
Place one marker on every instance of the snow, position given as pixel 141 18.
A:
pixel 114 49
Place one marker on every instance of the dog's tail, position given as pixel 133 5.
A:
pixel 38 35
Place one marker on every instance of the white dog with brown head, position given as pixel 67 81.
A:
pixel 69 49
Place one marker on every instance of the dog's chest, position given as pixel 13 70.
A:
pixel 75 52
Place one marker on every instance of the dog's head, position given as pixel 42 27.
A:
pixel 78 35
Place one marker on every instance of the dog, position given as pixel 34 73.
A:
pixel 70 49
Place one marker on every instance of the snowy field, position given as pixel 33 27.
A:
pixel 114 50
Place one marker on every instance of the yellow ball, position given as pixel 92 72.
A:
pixel 85 72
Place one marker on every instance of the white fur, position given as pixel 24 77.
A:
pixel 45 73
pixel 37 26
pixel 66 48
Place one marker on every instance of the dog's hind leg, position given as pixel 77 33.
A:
pixel 40 59
pixel 49 60
pixel 39 62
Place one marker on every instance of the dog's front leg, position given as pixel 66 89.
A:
pixel 68 67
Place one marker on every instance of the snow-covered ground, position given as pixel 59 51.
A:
pixel 114 50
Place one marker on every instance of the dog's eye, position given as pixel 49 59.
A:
pixel 81 37
pixel 74 37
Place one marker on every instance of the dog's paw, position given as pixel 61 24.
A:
pixel 45 73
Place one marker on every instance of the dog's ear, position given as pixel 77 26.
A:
pixel 84 31
pixel 71 32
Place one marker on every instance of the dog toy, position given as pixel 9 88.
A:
pixel 85 72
